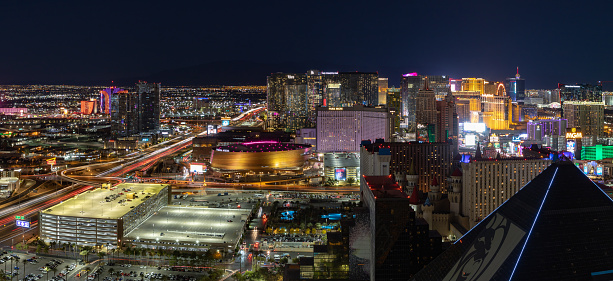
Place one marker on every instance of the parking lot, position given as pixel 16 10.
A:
pixel 147 273
pixel 38 267
pixel 185 227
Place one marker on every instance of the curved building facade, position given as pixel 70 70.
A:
pixel 259 156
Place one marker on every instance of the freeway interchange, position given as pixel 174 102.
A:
pixel 82 178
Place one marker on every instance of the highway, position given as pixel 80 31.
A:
pixel 97 174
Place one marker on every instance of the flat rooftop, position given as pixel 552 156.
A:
pixel 191 225
pixel 92 204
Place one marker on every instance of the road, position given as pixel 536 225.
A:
pixel 102 172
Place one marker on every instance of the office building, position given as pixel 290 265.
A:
pixel 516 87
pixel 589 116
pixel 400 244
pixel 342 129
pixel 487 183
pixel 555 228
pixel 429 160
pixel 102 217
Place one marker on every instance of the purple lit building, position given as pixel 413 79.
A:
pixel 105 98
pixel 538 129
pixel 548 132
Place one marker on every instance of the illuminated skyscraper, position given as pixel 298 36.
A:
pixel 124 114
pixel 287 98
pixel 342 129
pixel 473 84
pixel 315 95
pixel 135 112
pixel 148 106
pixel 588 116
pixel 383 84
pixel 580 92
pixel 105 98
pixel 516 87
pixel 293 97
pixel 410 85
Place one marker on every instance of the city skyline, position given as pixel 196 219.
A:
pixel 81 43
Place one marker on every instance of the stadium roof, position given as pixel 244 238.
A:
pixel 555 228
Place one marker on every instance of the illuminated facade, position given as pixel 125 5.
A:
pixel 516 87
pixel 497 112
pixel 342 129
pixel 410 86
pixel 538 129
pixel 124 114
pixel 383 84
pixel 394 104
pixel 259 156
pixel 581 92
pixel 473 85
pixel 589 116
pixel 429 160
pixel 148 106
pixel 106 97
pixel 294 97
pixel 486 184
pixel 89 107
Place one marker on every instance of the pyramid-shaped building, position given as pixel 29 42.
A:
pixel 557 227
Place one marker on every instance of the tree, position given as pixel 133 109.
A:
pixel 351 181
pixel 24 261
pixel 101 255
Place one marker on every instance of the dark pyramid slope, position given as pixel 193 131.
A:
pixel 555 228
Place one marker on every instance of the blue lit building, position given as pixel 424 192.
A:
pixel 516 88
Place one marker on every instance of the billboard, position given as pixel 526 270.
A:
pixel 573 133
pixel 225 121
pixel 340 174
pixel 470 139
pixel 474 127
pixel 570 146
pixel 197 168
pixel 212 129
pixel 22 223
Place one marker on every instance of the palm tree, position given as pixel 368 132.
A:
pixel 101 255
pixel 24 267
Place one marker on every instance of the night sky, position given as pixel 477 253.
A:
pixel 81 41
